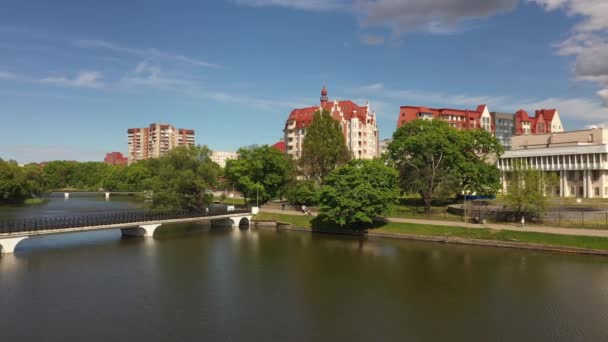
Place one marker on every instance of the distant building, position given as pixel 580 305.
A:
pixel 115 158
pixel 578 158
pixel 358 126
pixel 504 128
pixel 383 146
pixel 503 125
pixel 221 157
pixel 156 140
pixel 457 118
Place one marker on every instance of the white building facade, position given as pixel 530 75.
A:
pixel 358 125
pixel 578 158
pixel 221 157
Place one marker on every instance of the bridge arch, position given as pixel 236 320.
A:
pixel 243 223
pixel 8 245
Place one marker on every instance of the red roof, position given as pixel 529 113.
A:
pixel 471 117
pixel 303 116
pixel 280 146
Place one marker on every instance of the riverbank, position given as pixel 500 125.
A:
pixel 464 235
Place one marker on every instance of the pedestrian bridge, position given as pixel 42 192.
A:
pixel 131 223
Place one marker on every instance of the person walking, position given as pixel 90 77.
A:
pixel 523 222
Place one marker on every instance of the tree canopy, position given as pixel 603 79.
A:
pixel 323 148
pixel 527 189
pixel 19 183
pixel 356 193
pixel 434 158
pixel 182 179
pixel 260 171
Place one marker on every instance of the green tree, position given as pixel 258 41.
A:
pixel 303 192
pixel 356 193
pixel 182 179
pixel 323 148
pixel 527 189
pixel 13 184
pixel 259 171
pixel 434 158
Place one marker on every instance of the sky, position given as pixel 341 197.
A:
pixel 75 75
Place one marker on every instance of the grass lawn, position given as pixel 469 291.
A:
pixel 237 201
pixel 461 232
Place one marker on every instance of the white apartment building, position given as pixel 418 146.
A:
pixel 579 158
pixel 358 125
pixel 156 140
pixel 221 157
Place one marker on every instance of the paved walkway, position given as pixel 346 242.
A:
pixel 528 228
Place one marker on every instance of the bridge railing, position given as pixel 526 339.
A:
pixel 109 218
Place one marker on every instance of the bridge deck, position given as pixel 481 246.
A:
pixel 56 225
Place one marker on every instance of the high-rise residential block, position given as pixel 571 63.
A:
pixel 156 140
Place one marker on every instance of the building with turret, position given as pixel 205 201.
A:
pixel 358 125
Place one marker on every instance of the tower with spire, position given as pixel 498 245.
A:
pixel 323 96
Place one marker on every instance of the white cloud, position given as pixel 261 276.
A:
pixel 432 16
pixel 309 5
pixel 145 53
pixel 372 39
pixel 151 75
pixel 85 79
pixel 603 94
pixel 588 42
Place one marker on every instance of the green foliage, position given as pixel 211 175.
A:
pixel 182 179
pixel 527 188
pixel 259 171
pixel 323 148
pixel 354 194
pixel 435 159
pixel 303 192
pixel 19 183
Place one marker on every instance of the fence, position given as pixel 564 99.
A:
pixel 115 217
pixel 559 216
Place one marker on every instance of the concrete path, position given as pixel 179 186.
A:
pixel 495 226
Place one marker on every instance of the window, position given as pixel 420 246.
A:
pixel 596 191
pixel 590 138
pixel 572 191
pixel 581 191
pixel 595 175
pixel 570 175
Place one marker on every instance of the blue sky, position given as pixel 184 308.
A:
pixel 74 75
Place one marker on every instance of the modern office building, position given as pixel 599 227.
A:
pixel 504 128
pixel 358 126
pixel 156 140
pixel 578 158
pixel 115 158
pixel 221 157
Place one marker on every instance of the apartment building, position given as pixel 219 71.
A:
pixel 221 157
pixel 358 126
pixel 156 140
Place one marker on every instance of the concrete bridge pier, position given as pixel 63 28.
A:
pixel 7 245
pixel 66 195
pixel 146 230
pixel 107 195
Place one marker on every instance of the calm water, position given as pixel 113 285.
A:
pixel 262 285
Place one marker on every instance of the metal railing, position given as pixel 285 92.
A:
pixel 34 224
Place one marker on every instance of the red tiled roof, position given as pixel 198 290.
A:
pixel 280 146
pixel 303 116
